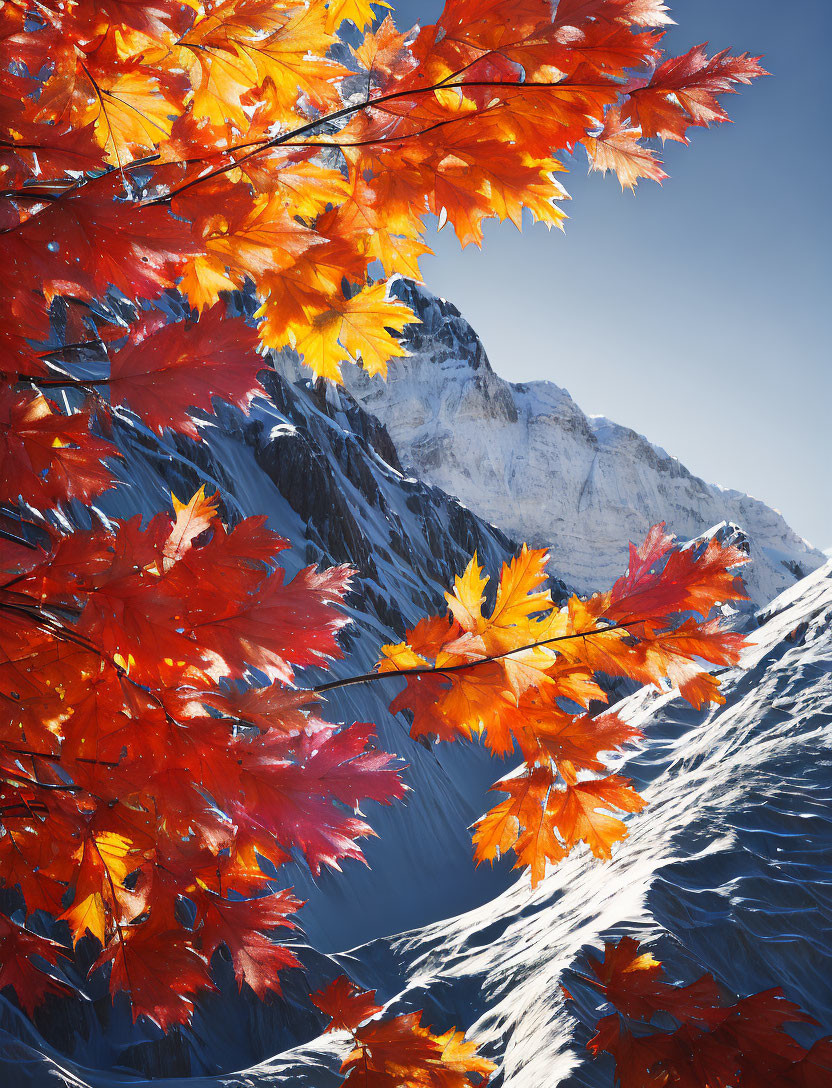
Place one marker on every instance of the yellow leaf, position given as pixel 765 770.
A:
pixel 115 853
pixel 105 860
pixel 519 594
pixel 359 12
pixel 465 602
pixel 134 116
pixel 203 279
pixel 192 519
pixel 353 328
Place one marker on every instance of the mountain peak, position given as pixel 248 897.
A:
pixel 525 457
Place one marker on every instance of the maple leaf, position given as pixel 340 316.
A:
pixel 383 49
pixel 346 1004
pixel 616 147
pixel 48 458
pixel 249 237
pixel 192 520
pixel 104 862
pixel 356 327
pixel 293 801
pixel 137 956
pixel 580 812
pixel 635 982
pixel 239 924
pixel 520 824
pixel 284 622
pixel 683 91
pixel 85 244
pixel 30 984
pixel 133 114
pixel 272 708
pixel 164 372
pixel 359 12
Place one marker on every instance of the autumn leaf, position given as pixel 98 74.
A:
pixel 30 983
pixel 684 91
pixel 163 373
pixel 239 924
pixel 192 520
pixel 46 457
pixel 346 1004
pixel 359 12
pixel 616 147
pixel 355 328
pixel 137 957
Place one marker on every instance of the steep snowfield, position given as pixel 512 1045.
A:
pixel 727 870
pixel 525 457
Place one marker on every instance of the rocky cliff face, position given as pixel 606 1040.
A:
pixel 525 457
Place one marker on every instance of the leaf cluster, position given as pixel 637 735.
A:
pixel 716 1042
pixel 398 1052
pixel 156 757
pixel 516 675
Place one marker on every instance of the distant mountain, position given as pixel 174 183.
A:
pixel 526 458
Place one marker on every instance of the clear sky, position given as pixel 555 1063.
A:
pixel 698 312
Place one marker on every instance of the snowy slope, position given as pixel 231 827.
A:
pixel 525 457
pixel 329 477
pixel 727 870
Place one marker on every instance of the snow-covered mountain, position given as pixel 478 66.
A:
pixel 736 845
pixel 525 457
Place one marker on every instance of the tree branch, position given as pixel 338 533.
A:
pixel 348 111
pixel 370 677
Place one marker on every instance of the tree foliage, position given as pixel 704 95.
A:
pixel 716 1041
pixel 534 670
pixel 398 1052
pixel 159 756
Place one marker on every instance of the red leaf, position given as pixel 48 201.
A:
pixel 346 1004
pixel 163 373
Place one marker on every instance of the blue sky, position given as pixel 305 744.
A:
pixel 696 312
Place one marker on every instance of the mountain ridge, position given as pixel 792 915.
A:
pixel 525 457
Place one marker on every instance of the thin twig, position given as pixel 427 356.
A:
pixel 17 540
pixel 369 677
pixel 347 111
